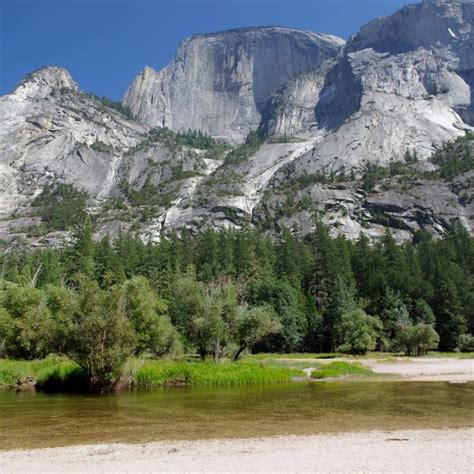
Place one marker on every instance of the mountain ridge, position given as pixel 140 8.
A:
pixel 307 117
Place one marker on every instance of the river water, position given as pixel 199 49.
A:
pixel 34 420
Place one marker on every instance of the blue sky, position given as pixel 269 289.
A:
pixel 105 43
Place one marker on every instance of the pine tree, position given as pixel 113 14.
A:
pixel 79 256
pixel 208 255
pixel 108 267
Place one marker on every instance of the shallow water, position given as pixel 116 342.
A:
pixel 33 420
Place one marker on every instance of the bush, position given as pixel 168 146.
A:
pixel 466 343
pixel 192 139
pixel 418 340
pixel 100 329
pixel 253 325
pixel 97 334
pixel 146 312
pixel 25 323
pixel 358 332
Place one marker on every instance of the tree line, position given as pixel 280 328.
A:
pixel 219 293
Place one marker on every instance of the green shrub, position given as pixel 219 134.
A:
pixel 146 312
pixel 468 136
pixel 418 340
pixel 466 343
pixel 26 323
pixel 96 333
pixel 102 147
pixel 100 329
pixel 358 332
pixel 191 138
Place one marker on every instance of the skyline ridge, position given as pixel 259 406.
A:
pixel 150 35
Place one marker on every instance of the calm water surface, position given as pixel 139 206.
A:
pixel 32 420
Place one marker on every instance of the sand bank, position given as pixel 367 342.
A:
pixel 411 369
pixel 431 451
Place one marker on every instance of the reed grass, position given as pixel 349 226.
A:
pixel 161 373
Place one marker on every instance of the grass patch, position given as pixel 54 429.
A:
pixel 161 373
pixel 290 364
pixel 62 375
pixel 295 355
pixel 281 361
pixel 14 373
pixel 340 369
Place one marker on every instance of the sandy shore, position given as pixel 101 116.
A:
pixel 380 451
pixel 426 369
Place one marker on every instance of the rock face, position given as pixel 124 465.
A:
pixel 220 83
pixel 49 130
pixel 402 206
pixel 292 110
pixel 403 82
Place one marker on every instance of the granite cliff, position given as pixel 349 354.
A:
pixel 305 127
pixel 219 83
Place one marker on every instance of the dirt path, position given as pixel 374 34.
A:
pixel 431 451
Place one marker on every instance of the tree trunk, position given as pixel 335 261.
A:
pixel 237 354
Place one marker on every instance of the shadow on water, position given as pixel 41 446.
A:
pixel 31 420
